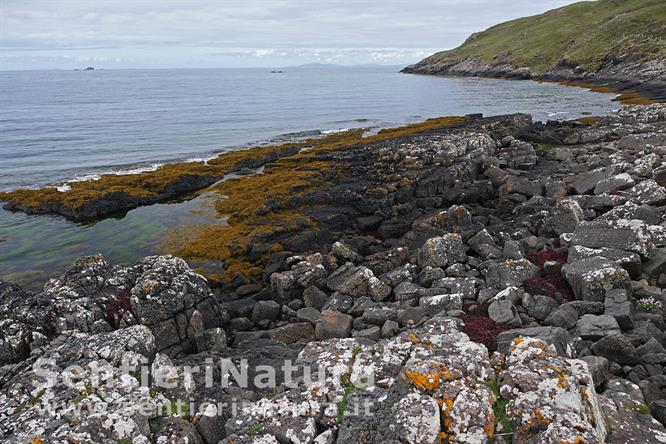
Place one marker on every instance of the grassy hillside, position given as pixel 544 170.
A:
pixel 580 34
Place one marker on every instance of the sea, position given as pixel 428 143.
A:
pixel 62 126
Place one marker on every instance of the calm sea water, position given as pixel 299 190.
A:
pixel 60 125
pixel 57 126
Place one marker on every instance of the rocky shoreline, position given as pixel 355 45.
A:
pixel 499 280
pixel 638 82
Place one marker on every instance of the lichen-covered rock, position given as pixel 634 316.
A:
pixel 564 218
pixel 629 235
pixel 627 415
pixel 409 382
pixel 47 398
pixel 437 303
pixel 591 278
pixel 551 398
pixel 417 419
pixel 95 296
pixel 357 282
pixel 510 273
pixel 442 251
pixel 648 192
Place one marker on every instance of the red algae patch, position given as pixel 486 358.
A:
pixel 553 284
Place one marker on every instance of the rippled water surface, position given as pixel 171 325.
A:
pixel 57 126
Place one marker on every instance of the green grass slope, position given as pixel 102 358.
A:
pixel 582 34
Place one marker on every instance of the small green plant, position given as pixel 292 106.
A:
pixel 80 397
pixel 35 399
pixel 348 389
pixel 640 408
pixel 649 305
pixel 124 441
pixel 356 351
pixel 500 407
pixel 256 428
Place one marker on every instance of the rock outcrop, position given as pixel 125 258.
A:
pixel 474 286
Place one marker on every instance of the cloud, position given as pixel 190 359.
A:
pixel 381 30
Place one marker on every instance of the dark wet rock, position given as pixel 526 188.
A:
pixel 616 348
pixel 586 182
pixel 598 366
pixel 596 327
pixel 504 312
pixel 565 316
pixel 618 305
pixel 333 324
pixel 539 307
pixel 265 311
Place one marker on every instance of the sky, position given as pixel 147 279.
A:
pixel 67 34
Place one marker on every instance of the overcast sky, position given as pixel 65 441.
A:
pixel 36 34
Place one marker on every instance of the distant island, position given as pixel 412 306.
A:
pixel 606 42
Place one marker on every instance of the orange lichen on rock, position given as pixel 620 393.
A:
pixel 427 381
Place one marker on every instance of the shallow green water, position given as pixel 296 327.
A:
pixel 36 248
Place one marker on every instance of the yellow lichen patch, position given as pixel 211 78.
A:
pixel 563 381
pixel 428 381
pixel 577 440
pixel 446 437
pixel 540 418
pixel 516 342
pixel 446 412
pixel 37 440
pixel 489 428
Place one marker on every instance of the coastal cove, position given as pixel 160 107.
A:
pixel 34 248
